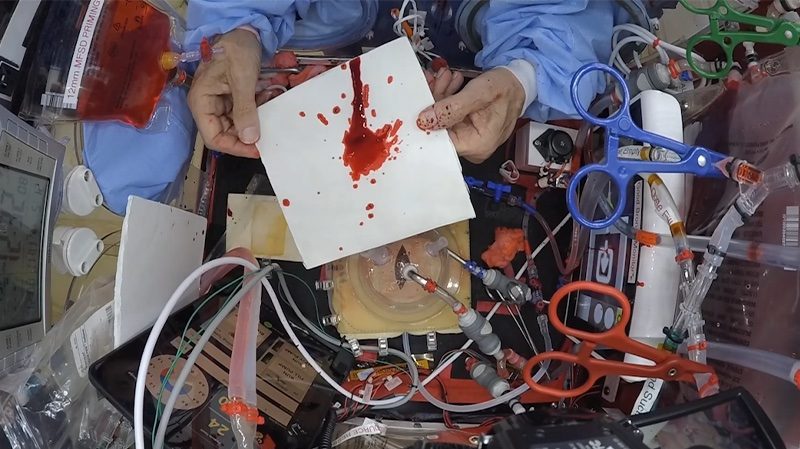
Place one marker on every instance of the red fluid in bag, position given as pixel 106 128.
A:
pixel 124 79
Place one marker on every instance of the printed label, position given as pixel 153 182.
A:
pixel 648 396
pixel 368 427
pixel 85 338
pixel 81 54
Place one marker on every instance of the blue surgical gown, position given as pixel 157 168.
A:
pixel 556 36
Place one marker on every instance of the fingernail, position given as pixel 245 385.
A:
pixel 250 135
pixel 427 118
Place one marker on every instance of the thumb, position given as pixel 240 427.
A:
pixel 451 110
pixel 243 91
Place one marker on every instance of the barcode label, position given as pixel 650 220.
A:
pixel 51 100
pixel 791 226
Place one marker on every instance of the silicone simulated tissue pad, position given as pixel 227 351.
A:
pixel 349 165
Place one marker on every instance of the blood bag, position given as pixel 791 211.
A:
pixel 99 60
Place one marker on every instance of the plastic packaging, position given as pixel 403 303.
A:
pixel 99 60
pixel 49 402
pixel 755 304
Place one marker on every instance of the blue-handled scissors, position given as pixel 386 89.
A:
pixel 693 159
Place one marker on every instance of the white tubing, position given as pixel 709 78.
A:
pixel 195 354
pixel 767 362
pixel 147 354
pixel 138 412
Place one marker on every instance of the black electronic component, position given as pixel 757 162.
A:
pixel 555 145
pixel 296 400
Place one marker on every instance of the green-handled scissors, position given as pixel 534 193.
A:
pixel 777 31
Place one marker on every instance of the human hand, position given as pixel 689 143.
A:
pixel 223 96
pixel 443 83
pixel 480 117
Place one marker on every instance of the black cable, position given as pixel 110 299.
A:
pixel 326 437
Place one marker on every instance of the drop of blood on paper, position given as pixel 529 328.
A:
pixel 365 150
pixel 343 66
pixel 302 114
pixel 230 213
pixel 371 216
pixel 337 109
pixel 396 150
pixel 344 95
pixel 361 224
pixel 373 181
pixel 341 249
pixel 390 79
pixel 322 119
pixel 370 206
pixel 355 186
pixel 286 202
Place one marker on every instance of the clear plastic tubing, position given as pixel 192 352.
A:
pixel 764 253
pixel 767 362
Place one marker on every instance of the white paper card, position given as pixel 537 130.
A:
pixel 331 215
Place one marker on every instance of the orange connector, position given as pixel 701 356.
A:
pixel 236 406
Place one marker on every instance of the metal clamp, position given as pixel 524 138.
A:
pixel 432 343
pixel 355 346
pixel 331 320
pixel 383 347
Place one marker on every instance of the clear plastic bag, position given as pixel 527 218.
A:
pixel 100 60
pixel 751 304
pixel 49 403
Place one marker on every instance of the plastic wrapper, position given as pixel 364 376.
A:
pixel 49 403
pixel 100 60
pixel 749 303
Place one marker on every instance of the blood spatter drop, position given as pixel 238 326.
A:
pixel 355 186
pixel 286 202
pixel 344 95
pixel 230 213
pixel 371 216
pixel 370 206
pixel 337 109
pixel 322 119
pixel 361 223
pixel 302 114
pixel 372 181
pixel 390 79
pixel 341 249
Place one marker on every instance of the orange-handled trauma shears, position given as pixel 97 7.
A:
pixel 667 366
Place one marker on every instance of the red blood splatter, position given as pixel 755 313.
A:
pixel 302 114
pixel 374 114
pixel 396 150
pixel 370 206
pixel 322 119
pixel 361 224
pixel 341 249
pixel 355 186
pixel 365 150
pixel 364 91
pixel 230 213
pixel 428 133
pixel 373 181
pixel 390 79
pixel 343 66
pixel 371 216
pixel 286 202
pixel 337 109
pixel 344 95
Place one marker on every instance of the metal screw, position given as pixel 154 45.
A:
pixel 787 34
pixel 672 372
pixel 606 391
pixel 701 161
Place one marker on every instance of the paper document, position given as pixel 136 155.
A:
pixel 349 166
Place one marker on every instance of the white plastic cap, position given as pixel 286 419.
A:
pixel 75 250
pixel 81 193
